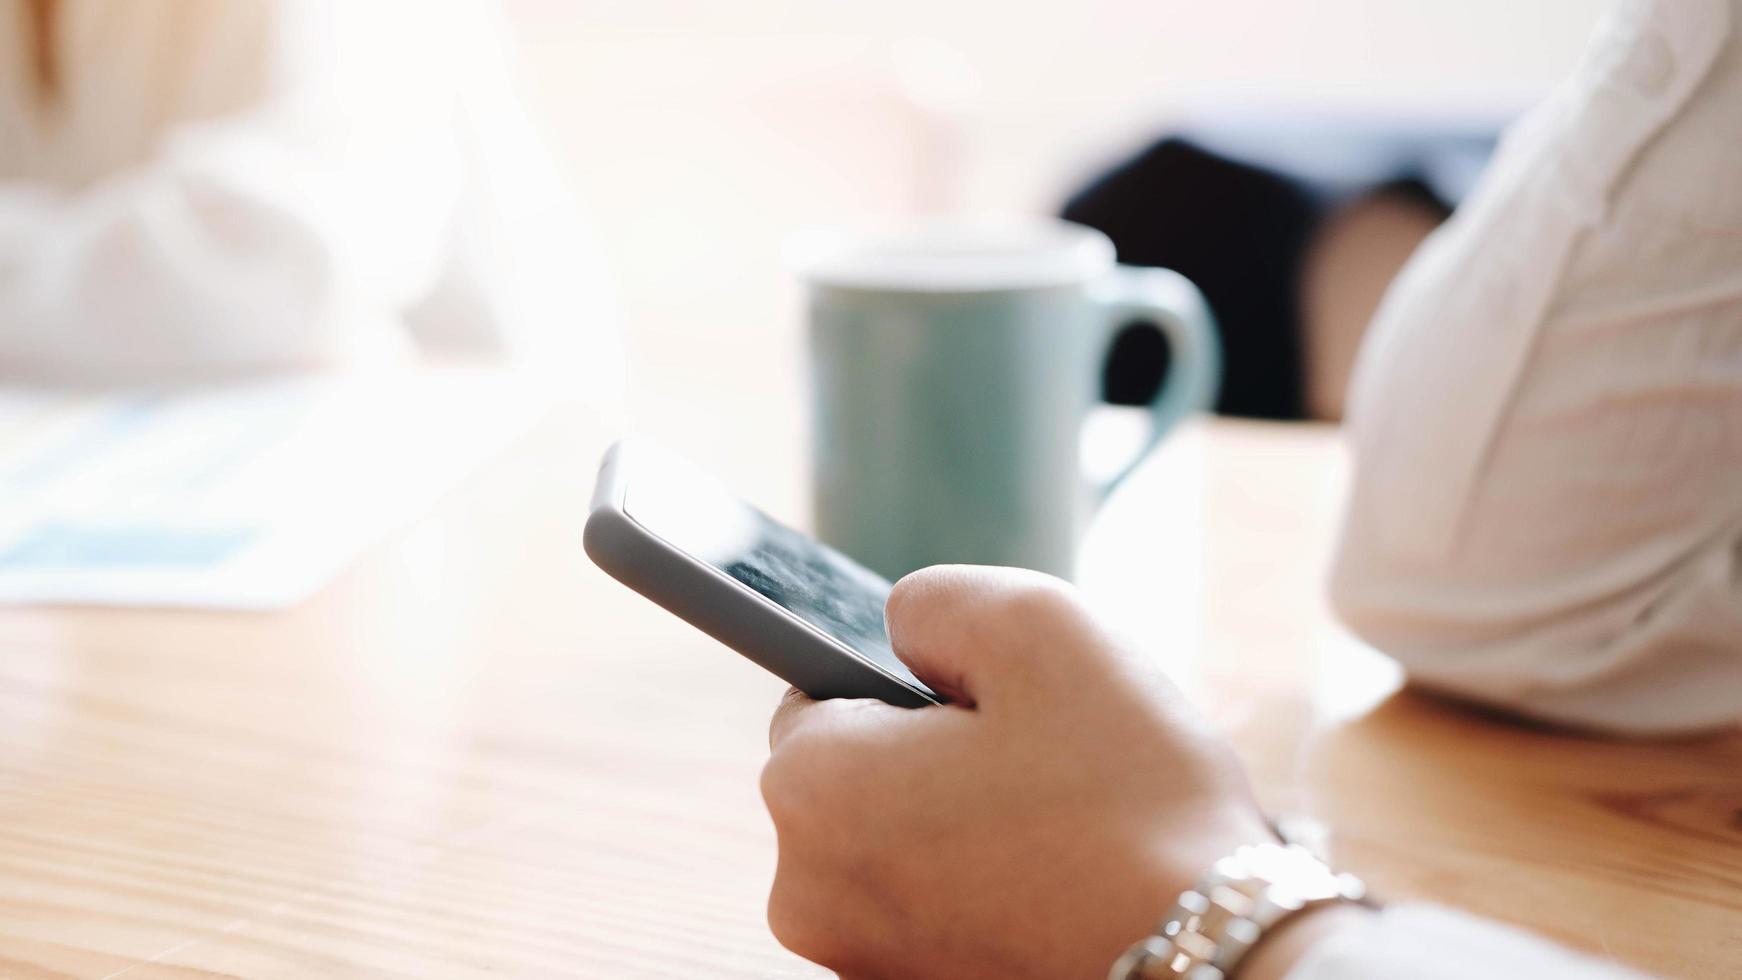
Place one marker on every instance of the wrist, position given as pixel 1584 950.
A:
pixel 1270 896
pixel 1178 857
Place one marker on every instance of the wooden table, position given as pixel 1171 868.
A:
pixel 474 755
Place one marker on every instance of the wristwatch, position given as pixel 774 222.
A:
pixel 1243 895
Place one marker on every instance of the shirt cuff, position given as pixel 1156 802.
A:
pixel 1423 942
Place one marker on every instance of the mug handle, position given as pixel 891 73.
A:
pixel 1168 301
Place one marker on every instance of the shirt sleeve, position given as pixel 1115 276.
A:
pixel 382 189
pixel 279 235
pixel 1546 505
pixel 1423 942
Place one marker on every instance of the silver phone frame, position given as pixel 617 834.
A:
pixel 707 598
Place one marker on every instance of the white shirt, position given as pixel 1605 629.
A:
pixel 1421 942
pixel 1546 511
pixel 242 185
pixel 1547 413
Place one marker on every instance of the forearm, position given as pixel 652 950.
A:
pixel 239 249
pixel 151 277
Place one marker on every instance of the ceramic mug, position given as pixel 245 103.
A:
pixel 953 366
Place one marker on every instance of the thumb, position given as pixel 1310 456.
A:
pixel 975 632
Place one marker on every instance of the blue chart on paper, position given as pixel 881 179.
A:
pixel 251 494
pixel 51 545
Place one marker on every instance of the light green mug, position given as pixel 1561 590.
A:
pixel 953 368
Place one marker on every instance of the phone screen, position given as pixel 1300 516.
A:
pixel 833 594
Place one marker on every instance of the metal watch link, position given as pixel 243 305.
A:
pixel 1244 894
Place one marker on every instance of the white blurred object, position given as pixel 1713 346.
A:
pixel 938 82
pixel 247 185
pixel 235 496
pixel 1546 504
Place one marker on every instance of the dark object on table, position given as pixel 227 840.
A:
pixel 1234 204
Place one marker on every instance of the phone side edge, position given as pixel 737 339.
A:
pixel 731 614
pixel 608 484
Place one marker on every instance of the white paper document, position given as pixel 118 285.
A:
pixel 242 496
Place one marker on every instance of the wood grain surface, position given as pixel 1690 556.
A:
pixel 474 755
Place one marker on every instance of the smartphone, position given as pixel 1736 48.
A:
pixel 802 610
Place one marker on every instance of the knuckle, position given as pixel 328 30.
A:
pixel 919 593
pixel 795 922
pixel 802 780
pixel 946 590
pixel 785 718
pixel 778 790
pixel 908 596
pixel 1033 599
pixel 784 917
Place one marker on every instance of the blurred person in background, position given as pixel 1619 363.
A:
pixel 200 188
pixel 1293 225
pixel 1546 517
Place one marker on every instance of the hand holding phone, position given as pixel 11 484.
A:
pixel 802 610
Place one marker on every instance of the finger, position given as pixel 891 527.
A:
pixel 798 713
pixel 969 630
pixel 788 715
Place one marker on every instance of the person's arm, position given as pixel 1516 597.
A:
pixel 289 233
pixel 228 255
pixel 1044 820
pixel 1546 509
